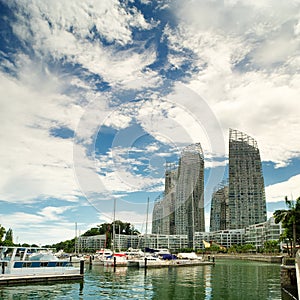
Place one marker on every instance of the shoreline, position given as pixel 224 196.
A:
pixel 253 257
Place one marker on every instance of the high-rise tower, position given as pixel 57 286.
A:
pixel 219 212
pixel 246 200
pixel 163 217
pixel 189 201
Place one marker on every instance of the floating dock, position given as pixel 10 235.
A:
pixel 30 279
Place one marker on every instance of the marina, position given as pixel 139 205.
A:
pixel 227 279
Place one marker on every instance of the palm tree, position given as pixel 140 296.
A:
pixel 289 217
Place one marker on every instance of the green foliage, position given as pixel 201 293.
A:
pixel 107 228
pixel 290 219
pixel 8 241
pixel 67 246
pixel 2 233
pixel 214 248
pixel 242 248
pixel 91 232
pixel 271 247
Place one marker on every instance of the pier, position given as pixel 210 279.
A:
pixel 29 279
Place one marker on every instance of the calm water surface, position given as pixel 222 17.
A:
pixel 228 279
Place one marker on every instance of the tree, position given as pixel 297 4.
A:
pixel 2 233
pixel 8 241
pixel 290 218
pixel 271 246
pixel 91 232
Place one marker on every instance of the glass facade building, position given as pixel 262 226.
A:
pixel 181 211
pixel 219 212
pixel 246 199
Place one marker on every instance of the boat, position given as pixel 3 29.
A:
pixel 35 261
pixel 116 260
pixel 101 256
pixel 189 255
pixel 151 261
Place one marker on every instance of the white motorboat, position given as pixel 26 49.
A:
pixel 23 261
pixel 101 256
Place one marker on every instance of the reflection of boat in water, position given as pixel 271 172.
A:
pixel 23 262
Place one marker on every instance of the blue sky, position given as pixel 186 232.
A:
pixel 97 96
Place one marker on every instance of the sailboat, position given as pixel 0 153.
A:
pixel 147 260
pixel 115 259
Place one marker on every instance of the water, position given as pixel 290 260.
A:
pixel 228 279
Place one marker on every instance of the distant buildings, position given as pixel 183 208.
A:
pixel 242 202
pixel 256 235
pixel 238 206
pixel 181 211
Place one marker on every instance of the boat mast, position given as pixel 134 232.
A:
pixel 146 223
pixel 113 233
pixel 75 244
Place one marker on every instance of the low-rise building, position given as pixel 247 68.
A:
pixel 258 234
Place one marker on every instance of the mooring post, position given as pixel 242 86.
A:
pixel 81 267
pixel 3 267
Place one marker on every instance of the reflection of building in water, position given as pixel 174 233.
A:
pixel 181 282
pixel 207 282
pixel 181 211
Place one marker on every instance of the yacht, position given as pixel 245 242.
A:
pixel 25 261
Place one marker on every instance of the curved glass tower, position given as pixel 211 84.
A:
pixel 189 201
pixel 246 199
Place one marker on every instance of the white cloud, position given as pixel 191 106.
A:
pixel 112 20
pixel 35 164
pixel 36 229
pixel 289 188
pixel 66 31
pixel 53 213
pixel 247 57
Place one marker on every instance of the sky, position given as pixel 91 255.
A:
pixel 97 97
